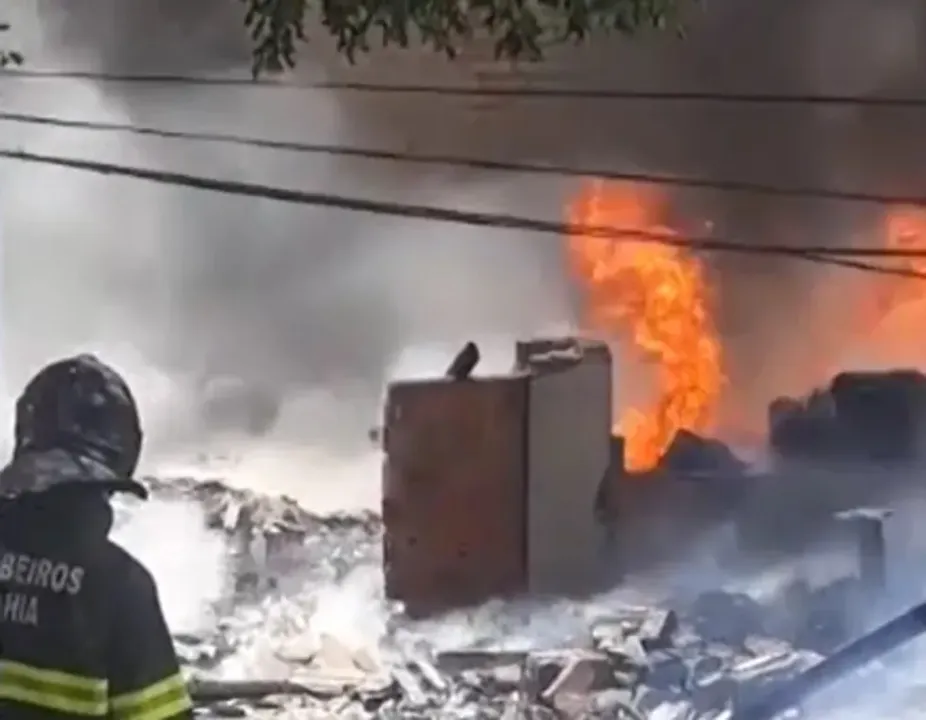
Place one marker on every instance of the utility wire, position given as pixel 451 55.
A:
pixel 865 266
pixel 839 256
pixel 738 98
pixel 457 161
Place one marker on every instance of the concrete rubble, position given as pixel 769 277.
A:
pixel 694 660
pixel 633 663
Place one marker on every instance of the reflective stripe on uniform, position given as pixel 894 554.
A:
pixel 53 689
pixel 162 700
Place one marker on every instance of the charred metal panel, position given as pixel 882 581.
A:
pixel 453 491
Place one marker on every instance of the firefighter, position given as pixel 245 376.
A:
pixel 82 633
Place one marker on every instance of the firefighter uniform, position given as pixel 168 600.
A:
pixel 82 633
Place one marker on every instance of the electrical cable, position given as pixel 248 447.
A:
pixel 839 256
pixel 456 161
pixel 865 266
pixel 739 98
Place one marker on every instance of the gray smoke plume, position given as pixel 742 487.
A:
pixel 302 306
pixel 292 300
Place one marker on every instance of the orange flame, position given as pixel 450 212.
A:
pixel 658 294
pixel 893 309
pixel 905 229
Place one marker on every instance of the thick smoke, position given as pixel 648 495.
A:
pixel 291 299
pixel 307 309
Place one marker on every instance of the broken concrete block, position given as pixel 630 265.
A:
pixel 628 617
pixel 570 706
pixel 547 669
pixel 577 678
pixel 539 672
pixel 455 661
pixel 610 632
pixel 498 680
pixel 657 629
pixel 629 662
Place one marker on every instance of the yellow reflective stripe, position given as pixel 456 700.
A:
pixel 53 689
pixel 162 700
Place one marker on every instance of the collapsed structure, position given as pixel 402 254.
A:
pixel 513 485
pixel 866 417
pixel 695 659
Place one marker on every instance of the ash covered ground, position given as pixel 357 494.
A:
pixel 683 641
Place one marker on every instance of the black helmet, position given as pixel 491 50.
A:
pixel 82 410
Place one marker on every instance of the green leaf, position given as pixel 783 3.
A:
pixel 520 29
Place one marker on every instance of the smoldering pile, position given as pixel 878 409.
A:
pixel 694 657
pixel 631 662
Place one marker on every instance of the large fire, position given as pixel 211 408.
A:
pixel 658 296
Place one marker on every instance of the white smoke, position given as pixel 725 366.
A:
pixel 313 309
pixel 187 560
pixel 177 287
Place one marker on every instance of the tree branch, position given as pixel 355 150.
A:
pixel 520 29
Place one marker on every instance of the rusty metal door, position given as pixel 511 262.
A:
pixel 454 491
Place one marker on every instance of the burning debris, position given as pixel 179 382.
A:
pixel 690 455
pixel 860 418
pixel 696 658
pixel 478 470
pixel 631 662
pixel 657 294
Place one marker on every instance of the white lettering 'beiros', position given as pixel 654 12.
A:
pixel 19 609
pixel 38 572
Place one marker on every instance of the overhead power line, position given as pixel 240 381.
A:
pixel 462 162
pixel 832 256
pixel 865 266
pixel 524 92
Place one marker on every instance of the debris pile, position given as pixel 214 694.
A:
pixel 225 506
pixel 696 659
pixel 691 456
pixel 861 417
pixel 633 661
pixel 267 534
